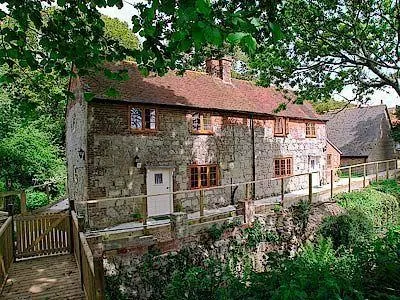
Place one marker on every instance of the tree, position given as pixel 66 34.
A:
pixel 118 30
pixel 172 31
pixel 330 44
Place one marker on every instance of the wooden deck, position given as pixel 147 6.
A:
pixel 51 277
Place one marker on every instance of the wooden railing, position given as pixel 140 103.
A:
pixel 90 264
pixel 6 250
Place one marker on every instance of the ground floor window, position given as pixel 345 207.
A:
pixel 283 166
pixel 203 176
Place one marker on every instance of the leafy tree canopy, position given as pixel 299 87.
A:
pixel 330 44
pixel 172 31
pixel 116 29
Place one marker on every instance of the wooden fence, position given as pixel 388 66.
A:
pixel 42 234
pixel 90 264
pixel 6 250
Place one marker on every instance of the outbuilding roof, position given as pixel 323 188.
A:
pixel 197 90
pixel 356 131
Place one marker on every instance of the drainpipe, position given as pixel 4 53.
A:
pixel 253 155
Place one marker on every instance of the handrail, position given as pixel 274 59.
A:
pixel 6 250
pixel 197 190
pixel 366 164
pixel 141 196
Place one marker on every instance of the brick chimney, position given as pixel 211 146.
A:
pixel 220 68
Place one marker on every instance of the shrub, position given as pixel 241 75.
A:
pixel 349 229
pixel 35 200
pixel 383 209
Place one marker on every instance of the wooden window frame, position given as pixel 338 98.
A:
pixel 202 130
pixel 329 160
pixel 142 109
pixel 287 172
pixel 199 173
pixel 311 131
pixel 285 126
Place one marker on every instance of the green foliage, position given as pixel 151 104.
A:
pixel 216 230
pixel 29 154
pixel 330 105
pixel 256 234
pixel 349 229
pixel 118 30
pixel 34 200
pixel 328 45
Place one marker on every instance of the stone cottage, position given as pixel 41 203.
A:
pixel 362 134
pixel 173 133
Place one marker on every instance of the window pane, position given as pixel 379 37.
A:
pixel 158 178
pixel 283 168
pixel 196 121
pixel 279 125
pixel 136 118
pixel 150 118
pixel 288 166
pixel 277 167
pixel 213 176
pixel 194 177
pixel 203 176
pixel 207 122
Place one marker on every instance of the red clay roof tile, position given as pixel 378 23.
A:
pixel 196 89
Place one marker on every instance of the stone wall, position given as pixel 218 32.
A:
pixel 76 134
pixel 112 147
pixel 143 272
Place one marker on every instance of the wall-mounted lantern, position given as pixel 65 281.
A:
pixel 81 154
pixel 324 149
pixel 137 163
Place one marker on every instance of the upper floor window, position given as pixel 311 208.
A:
pixel 283 166
pixel 201 123
pixel 281 127
pixel 143 118
pixel 310 130
pixel 203 176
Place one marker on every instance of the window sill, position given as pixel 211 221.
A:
pixel 311 136
pixel 143 131
pixel 280 135
pixel 283 176
pixel 202 132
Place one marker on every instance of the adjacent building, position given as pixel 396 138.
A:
pixel 154 135
pixel 362 134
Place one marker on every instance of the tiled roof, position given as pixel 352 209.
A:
pixel 356 131
pixel 198 90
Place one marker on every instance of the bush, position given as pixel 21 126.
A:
pixel 349 229
pixel 383 209
pixel 35 200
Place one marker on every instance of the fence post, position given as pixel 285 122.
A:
pixel 331 183
pixel 364 175
pixel 81 221
pixel 145 213
pixel 387 170
pixel 282 190
pixel 23 203
pixel 377 171
pixel 201 203
pixel 349 179
pixel 310 187
pixel 98 267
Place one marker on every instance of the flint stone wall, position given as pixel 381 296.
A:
pixel 112 147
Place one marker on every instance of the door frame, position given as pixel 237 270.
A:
pixel 171 170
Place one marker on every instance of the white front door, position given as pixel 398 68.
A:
pixel 159 181
pixel 315 168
